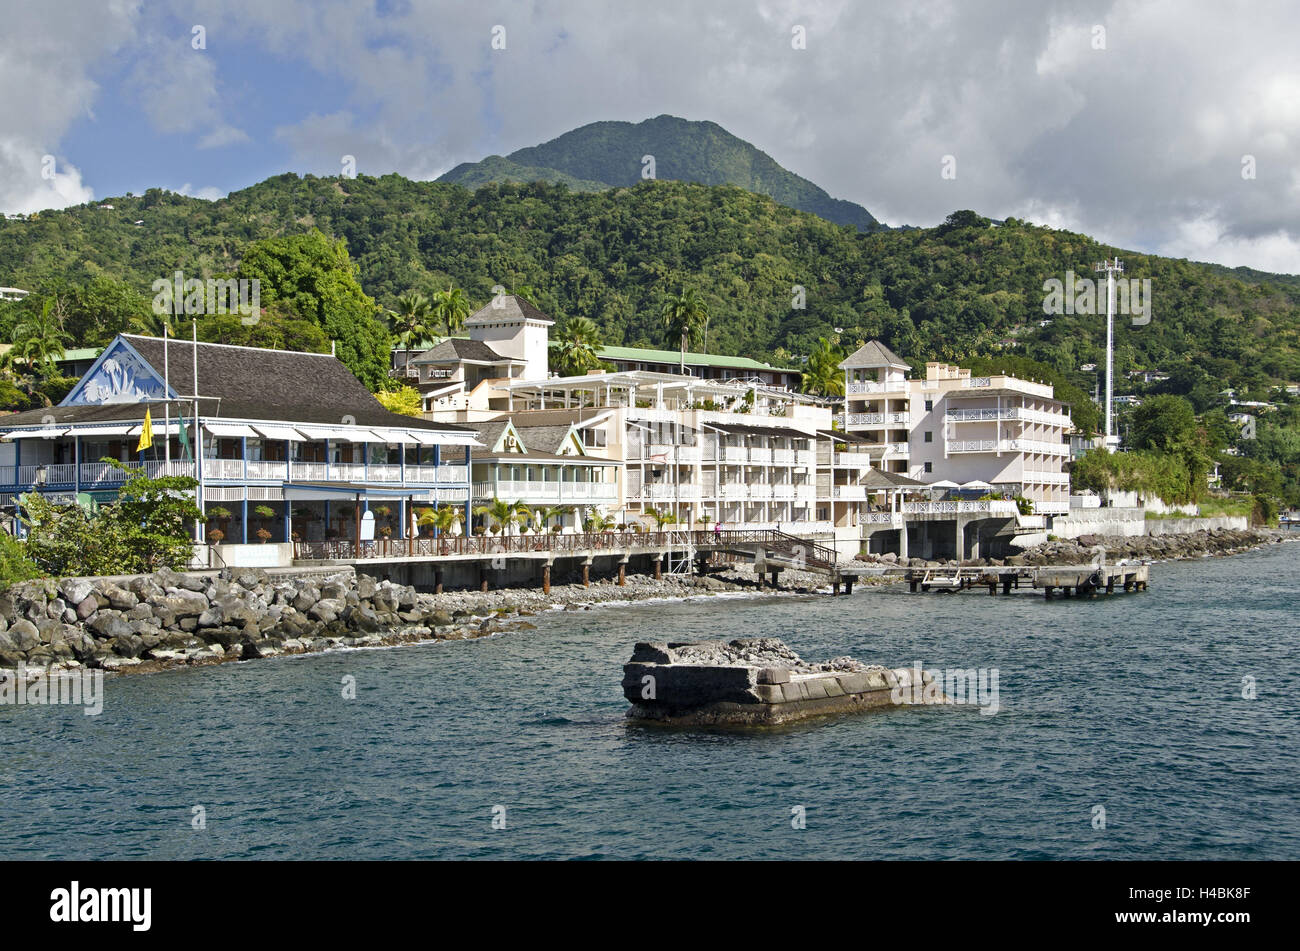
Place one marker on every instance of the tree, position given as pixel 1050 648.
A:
pixel 684 316
pixel 146 528
pixel 278 328
pixel 450 308
pixel 579 347
pixel 39 340
pixel 505 514
pixel 1165 423
pixel 824 376
pixel 410 319
pixel 549 514
pixel 316 279
pixel 405 400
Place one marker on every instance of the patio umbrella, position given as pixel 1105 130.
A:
pixel 977 484
pixel 943 484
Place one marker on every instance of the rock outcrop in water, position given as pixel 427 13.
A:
pixel 757 681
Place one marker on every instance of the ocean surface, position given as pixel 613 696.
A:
pixel 1131 704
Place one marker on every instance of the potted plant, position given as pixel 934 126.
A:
pixel 216 535
pixel 265 536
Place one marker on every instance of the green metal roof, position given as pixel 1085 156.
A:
pixel 645 355
pixel 84 353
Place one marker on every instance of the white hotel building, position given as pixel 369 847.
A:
pixel 1004 431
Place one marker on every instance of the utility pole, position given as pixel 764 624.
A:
pixel 1110 268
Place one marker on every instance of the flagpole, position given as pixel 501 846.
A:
pixel 167 442
pixel 200 533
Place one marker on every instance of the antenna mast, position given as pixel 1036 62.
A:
pixel 1110 268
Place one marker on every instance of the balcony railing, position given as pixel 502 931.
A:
pixel 95 475
pixel 92 475
pixel 533 490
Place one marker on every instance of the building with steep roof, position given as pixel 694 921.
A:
pixel 293 432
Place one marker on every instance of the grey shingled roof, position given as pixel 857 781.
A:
pixel 248 383
pixel 872 355
pixel 456 349
pixel 511 308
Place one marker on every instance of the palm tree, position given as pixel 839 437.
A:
pixel 663 517
pixel 504 514
pixel 579 347
pixel 39 341
pixel 450 308
pixel 410 320
pixel 824 376
pixel 546 515
pixel 152 324
pixel 684 315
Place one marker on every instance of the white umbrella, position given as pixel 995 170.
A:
pixel 944 484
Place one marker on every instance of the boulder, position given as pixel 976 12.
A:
pixel 326 609
pixel 76 590
pixel 249 578
pixel 23 635
pixel 109 624
pixel 119 598
pixel 86 607
pixel 128 645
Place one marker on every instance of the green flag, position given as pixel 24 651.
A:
pixel 186 453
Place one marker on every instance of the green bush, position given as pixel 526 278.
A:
pixel 148 527
pixel 14 564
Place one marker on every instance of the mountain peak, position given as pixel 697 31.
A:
pixel 619 154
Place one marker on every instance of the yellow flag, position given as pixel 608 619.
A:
pixel 146 434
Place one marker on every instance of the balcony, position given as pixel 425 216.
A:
pixel 852 460
pixel 555 492
pixel 97 475
pixel 93 475
pixel 850 492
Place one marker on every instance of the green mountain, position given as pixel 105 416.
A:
pixel 610 155
pixel 967 289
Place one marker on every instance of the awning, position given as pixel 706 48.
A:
pixel 317 491
pixel 314 432
pixel 458 439
pixel 229 430
pixel 395 436
pixel 34 434
pixel 115 429
pixel 278 432
pixel 425 439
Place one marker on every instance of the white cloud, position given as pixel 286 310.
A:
pixel 45 74
pixel 1139 144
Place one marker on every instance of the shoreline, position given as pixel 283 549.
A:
pixel 169 620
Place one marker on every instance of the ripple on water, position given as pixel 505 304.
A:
pixel 1132 703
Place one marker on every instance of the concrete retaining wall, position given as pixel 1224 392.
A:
pixel 1132 523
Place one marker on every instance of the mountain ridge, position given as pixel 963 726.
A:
pixel 612 154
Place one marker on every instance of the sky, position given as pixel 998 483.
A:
pixel 1166 126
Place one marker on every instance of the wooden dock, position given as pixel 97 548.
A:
pixel 1082 581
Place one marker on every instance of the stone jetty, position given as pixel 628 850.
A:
pixel 753 682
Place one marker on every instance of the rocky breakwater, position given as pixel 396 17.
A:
pixel 1086 548
pixel 754 682
pixel 168 619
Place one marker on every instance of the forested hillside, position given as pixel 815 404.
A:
pixel 963 289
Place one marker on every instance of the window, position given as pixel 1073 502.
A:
pixel 929 436
pixel 929 405
pixel 929 467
